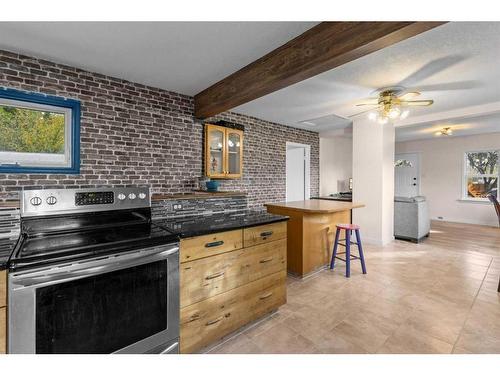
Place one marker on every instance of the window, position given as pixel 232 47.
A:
pixel 38 133
pixel 481 174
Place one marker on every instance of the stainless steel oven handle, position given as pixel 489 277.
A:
pixel 170 348
pixel 84 269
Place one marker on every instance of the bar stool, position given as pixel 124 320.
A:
pixel 348 232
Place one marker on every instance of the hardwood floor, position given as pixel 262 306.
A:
pixel 439 296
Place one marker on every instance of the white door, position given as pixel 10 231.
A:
pixel 295 174
pixel 406 175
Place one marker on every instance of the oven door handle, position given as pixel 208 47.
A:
pixel 84 269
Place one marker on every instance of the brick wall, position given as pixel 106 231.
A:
pixel 132 134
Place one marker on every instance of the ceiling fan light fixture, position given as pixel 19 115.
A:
pixel 372 116
pixel 444 131
pixel 394 113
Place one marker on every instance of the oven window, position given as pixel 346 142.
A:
pixel 102 313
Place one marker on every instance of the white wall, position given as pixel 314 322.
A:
pixel 335 164
pixel 373 180
pixel 442 172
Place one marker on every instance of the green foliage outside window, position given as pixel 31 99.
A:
pixel 28 130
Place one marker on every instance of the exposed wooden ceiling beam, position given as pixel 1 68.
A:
pixel 319 49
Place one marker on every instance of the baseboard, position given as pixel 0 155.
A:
pixel 376 241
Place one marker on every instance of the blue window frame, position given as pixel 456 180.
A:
pixel 38 133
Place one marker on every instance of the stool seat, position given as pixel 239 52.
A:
pixel 348 226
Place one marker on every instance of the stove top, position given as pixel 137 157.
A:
pixel 54 237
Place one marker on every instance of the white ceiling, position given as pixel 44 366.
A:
pixel 184 57
pixel 455 64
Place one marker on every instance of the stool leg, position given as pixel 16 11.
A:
pixel 360 248
pixel 335 246
pixel 347 253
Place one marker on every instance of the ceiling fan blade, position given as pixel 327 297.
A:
pixel 362 104
pixel 362 112
pixel 417 103
pixel 409 95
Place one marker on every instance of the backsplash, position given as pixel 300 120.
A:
pixel 9 222
pixel 175 208
pixel 132 134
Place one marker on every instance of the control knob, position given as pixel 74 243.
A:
pixel 51 200
pixel 131 196
pixel 36 201
pixel 121 196
pixel 142 195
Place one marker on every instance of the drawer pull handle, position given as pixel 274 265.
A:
pixel 266 295
pixel 215 321
pixel 214 244
pixel 215 275
pixel 266 234
pixel 266 260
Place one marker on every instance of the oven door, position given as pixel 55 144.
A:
pixel 125 303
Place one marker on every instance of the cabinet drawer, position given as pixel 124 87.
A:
pixel 207 277
pixel 210 244
pixel 264 233
pixel 207 321
pixel 3 330
pixel 3 288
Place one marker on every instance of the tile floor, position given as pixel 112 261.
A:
pixel 439 296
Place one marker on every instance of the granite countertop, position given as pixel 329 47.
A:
pixel 335 198
pixel 206 224
pixel 6 247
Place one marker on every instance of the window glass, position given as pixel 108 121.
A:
pixel 481 174
pixel 39 134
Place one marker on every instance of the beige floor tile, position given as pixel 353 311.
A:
pixel 444 327
pixel 407 340
pixel 239 344
pixel 281 339
pixel 478 343
pixel 367 330
pixel 435 297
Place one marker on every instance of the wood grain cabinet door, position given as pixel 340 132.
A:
pixel 210 244
pixel 234 153
pixel 215 151
pixel 208 277
pixel 207 321
pixel 264 233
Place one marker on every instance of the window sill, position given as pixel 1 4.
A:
pixel 476 201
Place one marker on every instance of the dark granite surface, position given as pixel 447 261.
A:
pixel 335 197
pixel 206 224
pixel 6 247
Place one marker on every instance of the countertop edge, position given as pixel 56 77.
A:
pixel 315 211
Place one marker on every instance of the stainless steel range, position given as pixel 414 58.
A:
pixel 92 274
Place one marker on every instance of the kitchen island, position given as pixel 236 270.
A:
pixel 311 230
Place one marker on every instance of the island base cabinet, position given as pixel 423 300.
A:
pixel 207 321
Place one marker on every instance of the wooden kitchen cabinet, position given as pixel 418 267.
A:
pixel 3 312
pixel 223 152
pixel 222 291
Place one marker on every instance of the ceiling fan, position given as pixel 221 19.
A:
pixel 392 103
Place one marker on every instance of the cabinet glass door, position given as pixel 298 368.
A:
pixel 234 149
pixel 216 148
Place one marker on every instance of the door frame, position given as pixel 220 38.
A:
pixel 419 166
pixel 307 168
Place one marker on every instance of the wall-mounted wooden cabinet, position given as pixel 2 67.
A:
pixel 223 152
